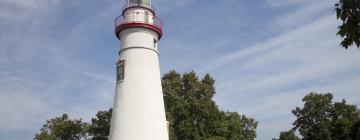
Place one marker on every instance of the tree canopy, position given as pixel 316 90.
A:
pixel 193 115
pixel 63 128
pixel 322 119
pixel 348 11
pixel 100 126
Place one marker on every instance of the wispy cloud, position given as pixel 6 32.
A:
pixel 43 69
pixel 19 108
pixel 303 14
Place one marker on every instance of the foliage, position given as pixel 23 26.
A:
pixel 193 115
pixel 216 138
pixel 100 126
pixel 349 13
pixel 321 119
pixel 240 127
pixel 62 128
pixel 355 130
pixel 287 135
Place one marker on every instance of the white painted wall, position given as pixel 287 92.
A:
pixel 138 37
pixel 139 112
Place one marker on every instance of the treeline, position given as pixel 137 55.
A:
pixel 190 109
pixel 193 115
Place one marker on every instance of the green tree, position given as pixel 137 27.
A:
pixel 62 128
pixel 189 110
pixel 100 126
pixel 287 135
pixel 348 11
pixel 193 115
pixel 321 119
pixel 240 127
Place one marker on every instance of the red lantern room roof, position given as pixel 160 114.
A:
pixel 138 19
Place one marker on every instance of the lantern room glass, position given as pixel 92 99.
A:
pixel 140 1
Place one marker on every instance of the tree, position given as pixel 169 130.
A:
pixel 348 11
pixel 313 119
pixel 100 126
pixel 321 119
pixel 240 127
pixel 193 115
pixel 62 128
pixel 287 135
pixel 190 110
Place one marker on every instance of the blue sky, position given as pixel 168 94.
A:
pixel 59 56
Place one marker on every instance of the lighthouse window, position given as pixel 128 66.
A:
pixel 133 1
pixel 155 43
pixel 146 1
pixel 120 74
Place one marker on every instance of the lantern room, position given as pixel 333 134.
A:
pixel 138 14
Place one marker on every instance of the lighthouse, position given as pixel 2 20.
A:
pixel 138 112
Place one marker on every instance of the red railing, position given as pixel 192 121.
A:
pixel 138 19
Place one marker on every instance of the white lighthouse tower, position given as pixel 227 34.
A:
pixel 139 112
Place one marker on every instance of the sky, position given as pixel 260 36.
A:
pixel 58 56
